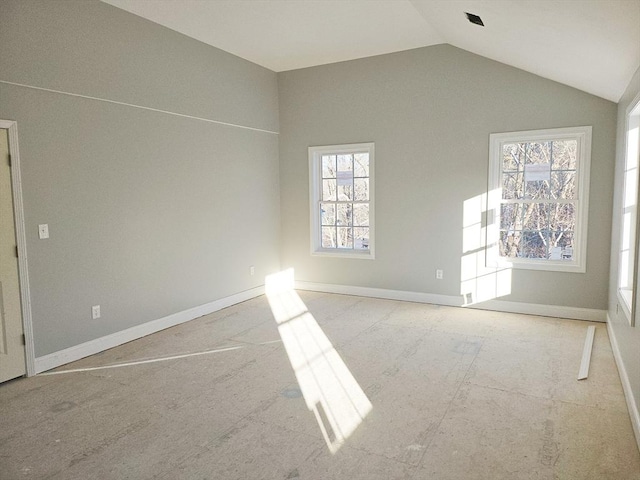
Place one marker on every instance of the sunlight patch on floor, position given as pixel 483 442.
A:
pixel 329 389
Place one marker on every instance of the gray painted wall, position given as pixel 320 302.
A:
pixel 627 337
pixel 430 112
pixel 149 213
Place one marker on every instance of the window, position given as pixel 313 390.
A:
pixel 341 188
pixel 538 199
pixel 626 279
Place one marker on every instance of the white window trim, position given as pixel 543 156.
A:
pixel 626 296
pixel 496 140
pixel 315 174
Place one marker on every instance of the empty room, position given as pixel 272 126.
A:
pixel 319 239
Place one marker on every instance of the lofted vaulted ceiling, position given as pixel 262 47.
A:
pixel 592 45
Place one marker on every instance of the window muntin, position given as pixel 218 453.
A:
pixel 341 184
pixel 538 199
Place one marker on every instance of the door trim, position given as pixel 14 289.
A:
pixel 21 238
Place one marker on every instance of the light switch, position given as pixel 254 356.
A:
pixel 43 231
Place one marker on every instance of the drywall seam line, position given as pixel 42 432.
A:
pixel 586 353
pixel 183 115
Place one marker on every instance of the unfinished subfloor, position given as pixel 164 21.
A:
pixel 414 392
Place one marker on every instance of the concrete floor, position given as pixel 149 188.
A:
pixel 454 394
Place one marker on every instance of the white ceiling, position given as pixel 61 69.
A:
pixel 592 45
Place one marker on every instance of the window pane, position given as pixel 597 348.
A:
pixel 328 190
pixel 329 166
pixel 512 156
pixel 361 214
pixel 536 216
pixel 564 154
pixel 345 184
pixel 512 186
pixel 537 189
pixel 626 231
pixel 328 213
pixel 361 238
pixel 561 246
pixel 345 163
pixel 549 231
pixel 345 192
pixel 345 238
pixel 534 244
pixel 511 216
pixel 344 214
pixel 563 185
pixel 538 153
pixel 563 217
pixel 510 243
pixel 329 237
pixel 361 186
pixel 361 165
pixel 630 188
pixel 625 265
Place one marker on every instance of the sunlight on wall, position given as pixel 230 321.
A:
pixel 479 282
pixel 329 389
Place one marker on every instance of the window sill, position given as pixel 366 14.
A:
pixel 544 265
pixel 363 255
pixel 625 297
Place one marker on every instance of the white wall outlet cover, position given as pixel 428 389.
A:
pixel 95 311
pixel 43 231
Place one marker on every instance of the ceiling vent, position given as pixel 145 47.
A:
pixel 474 19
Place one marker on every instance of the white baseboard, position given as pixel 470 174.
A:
pixel 626 385
pixel 575 313
pixel 52 360
pixel 418 297
pixel 557 311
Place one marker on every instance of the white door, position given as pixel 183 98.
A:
pixel 12 349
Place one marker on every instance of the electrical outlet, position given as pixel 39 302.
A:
pixel 252 270
pixel 439 274
pixel 43 231
pixel 95 311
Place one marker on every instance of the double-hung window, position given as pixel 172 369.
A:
pixel 628 241
pixel 538 199
pixel 341 196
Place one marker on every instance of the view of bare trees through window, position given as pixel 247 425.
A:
pixel 344 203
pixel 539 200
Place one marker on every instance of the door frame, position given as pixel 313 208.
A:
pixel 21 239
